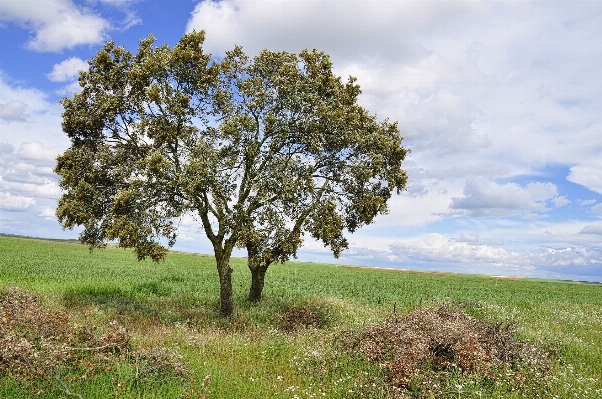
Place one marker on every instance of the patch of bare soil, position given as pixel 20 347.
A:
pixel 37 342
pixel 428 343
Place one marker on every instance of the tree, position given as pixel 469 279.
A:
pixel 258 150
pixel 319 162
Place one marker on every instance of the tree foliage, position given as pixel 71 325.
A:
pixel 259 150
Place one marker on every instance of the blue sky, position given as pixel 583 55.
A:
pixel 499 101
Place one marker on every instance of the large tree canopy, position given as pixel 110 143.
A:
pixel 259 150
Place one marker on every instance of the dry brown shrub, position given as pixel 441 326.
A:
pixel 32 338
pixel 297 317
pixel 36 342
pixel 439 339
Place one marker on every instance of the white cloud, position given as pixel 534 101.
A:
pixel 462 170
pixel 485 198
pixel 131 19
pixel 470 253
pixel 437 248
pixel 586 202
pixel 561 201
pixel 534 216
pixel 47 189
pixel 28 172
pixel 469 237
pixel 6 148
pixel 541 191
pixel 37 153
pixel 43 117
pixel 372 29
pixel 70 89
pixel 442 124
pixel 185 237
pixel 47 213
pixel 21 97
pixel 57 24
pixel 592 229
pixel 470 82
pixel 413 211
pixel 588 175
pixel 67 70
pixel 13 111
pixel 568 257
pixel 15 203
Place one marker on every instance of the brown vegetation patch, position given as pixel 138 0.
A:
pixel 36 342
pixel 296 317
pixel 395 270
pixel 431 342
pixel 508 277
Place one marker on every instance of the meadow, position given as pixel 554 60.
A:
pixel 179 347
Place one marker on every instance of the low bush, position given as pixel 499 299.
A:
pixel 420 351
pixel 37 343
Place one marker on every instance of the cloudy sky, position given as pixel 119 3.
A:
pixel 497 101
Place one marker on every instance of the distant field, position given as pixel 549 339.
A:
pixel 174 304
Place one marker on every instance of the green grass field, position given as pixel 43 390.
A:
pixel 174 305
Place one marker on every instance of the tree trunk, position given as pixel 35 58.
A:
pixel 225 285
pixel 257 280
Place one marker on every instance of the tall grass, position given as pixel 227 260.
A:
pixel 174 304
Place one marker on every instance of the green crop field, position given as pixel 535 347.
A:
pixel 73 311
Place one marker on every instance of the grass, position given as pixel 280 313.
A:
pixel 174 305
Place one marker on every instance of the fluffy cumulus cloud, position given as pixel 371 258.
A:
pixel 592 229
pixel 461 77
pixel 485 198
pixel 377 30
pixel 56 24
pixel 29 116
pixel 6 149
pixel 36 153
pixel 490 258
pixel 436 247
pixel 579 260
pixel 559 202
pixel 28 189
pixel 15 203
pixel 588 174
pixel 13 111
pixel 47 213
pixel 18 101
pixel 19 104
pixel 28 171
pixel 586 202
pixel 67 70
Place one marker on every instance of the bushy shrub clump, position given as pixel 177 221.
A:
pixel 423 348
pixel 37 343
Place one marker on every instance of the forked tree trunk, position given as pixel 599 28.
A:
pixel 257 281
pixel 225 285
